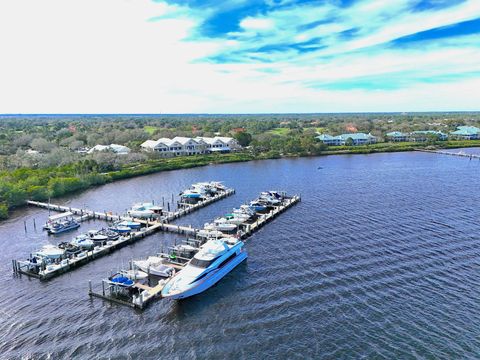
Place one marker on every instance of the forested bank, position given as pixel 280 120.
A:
pixel 43 157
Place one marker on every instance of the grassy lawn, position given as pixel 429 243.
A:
pixel 279 131
pixel 150 129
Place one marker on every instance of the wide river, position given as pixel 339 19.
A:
pixel 380 260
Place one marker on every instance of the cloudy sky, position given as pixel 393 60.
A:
pixel 238 56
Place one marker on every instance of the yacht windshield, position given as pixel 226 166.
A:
pixel 201 263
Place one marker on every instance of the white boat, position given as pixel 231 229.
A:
pixel 50 252
pixel 204 233
pixel 215 259
pixel 236 219
pixel 221 225
pixel 135 274
pixel 83 242
pixel 154 265
pixel 145 211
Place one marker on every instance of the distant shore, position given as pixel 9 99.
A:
pixel 67 181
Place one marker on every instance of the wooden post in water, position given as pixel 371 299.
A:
pixel 34 224
pixel 25 225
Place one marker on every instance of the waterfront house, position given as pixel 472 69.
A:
pixel 424 135
pixel 117 149
pixel 396 136
pixel 343 139
pixel 329 140
pixel 466 133
pixel 179 146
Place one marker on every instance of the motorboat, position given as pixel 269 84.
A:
pixel 191 194
pixel 120 229
pixel 70 249
pixel 60 226
pixel 133 225
pixel 83 242
pixel 121 280
pixel 184 250
pixel 236 219
pixel 50 252
pixel 204 233
pixel 266 198
pixel 215 259
pixel 145 211
pixel 155 265
pixel 257 206
pixel 221 225
pixel 134 274
pixel 97 237
pixel 110 234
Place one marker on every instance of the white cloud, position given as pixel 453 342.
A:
pixel 64 56
pixel 256 24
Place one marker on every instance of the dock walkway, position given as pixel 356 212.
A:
pixel 49 271
pixel 152 293
pixel 451 153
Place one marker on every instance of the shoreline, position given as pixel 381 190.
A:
pixel 158 165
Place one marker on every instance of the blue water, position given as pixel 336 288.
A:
pixel 380 260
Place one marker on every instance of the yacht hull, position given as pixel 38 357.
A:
pixel 207 281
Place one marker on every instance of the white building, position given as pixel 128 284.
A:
pixel 117 149
pixel 179 146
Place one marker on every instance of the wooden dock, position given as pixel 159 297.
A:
pixel 451 153
pixel 46 272
pixel 149 294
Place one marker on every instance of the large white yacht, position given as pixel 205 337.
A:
pixel 215 259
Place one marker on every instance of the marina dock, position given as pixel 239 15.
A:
pixel 150 227
pixel 141 295
pixel 451 153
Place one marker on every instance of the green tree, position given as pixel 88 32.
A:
pixel 3 211
pixel 243 138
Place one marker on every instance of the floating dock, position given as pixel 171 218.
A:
pixel 451 153
pixel 45 272
pixel 140 295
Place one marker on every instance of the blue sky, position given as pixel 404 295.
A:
pixel 180 56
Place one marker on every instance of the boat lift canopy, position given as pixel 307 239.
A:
pixel 60 216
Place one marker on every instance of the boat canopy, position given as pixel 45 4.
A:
pixel 60 216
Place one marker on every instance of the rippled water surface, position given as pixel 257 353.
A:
pixel 381 259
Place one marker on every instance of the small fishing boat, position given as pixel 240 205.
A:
pixel 145 211
pixel 236 219
pixel 184 250
pixel 215 259
pixel 134 274
pixel 220 224
pixel 204 233
pixel 257 206
pixel 70 249
pixel 131 224
pixel 83 242
pixel 50 252
pixel 121 280
pixel 120 229
pixel 154 265
pixel 110 234
pixel 191 194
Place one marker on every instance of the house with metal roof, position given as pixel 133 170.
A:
pixel 343 139
pixel 179 145
pixel 397 136
pixel 329 140
pixel 424 135
pixel 117 149
pixel 466 133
